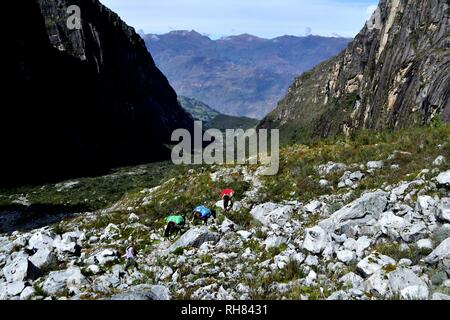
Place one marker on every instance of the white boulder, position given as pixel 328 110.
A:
pixel 440 253
pixel 194 237
pixel 268 213
pixel 58 281
pixel 373 263
pixel 369 206
pixel 316 240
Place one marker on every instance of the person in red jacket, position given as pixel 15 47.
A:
pixel 227 197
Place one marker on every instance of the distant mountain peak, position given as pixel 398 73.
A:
pixel 240 75
pixel 185 33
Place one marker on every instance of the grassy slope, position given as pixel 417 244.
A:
pixel 297 179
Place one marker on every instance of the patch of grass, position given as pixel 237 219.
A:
pixel 439 235
pixel 178 251
pixel 313 220
pixel 312 292
pixel 242 218
pixel 38 291
pixel 207 258
pixel 273 251
pixel 394 251
pixel 185 295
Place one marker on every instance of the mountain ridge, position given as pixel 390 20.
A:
pixel 234 75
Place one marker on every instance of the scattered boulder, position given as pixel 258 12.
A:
pixel 41 240
pixel 392 225
pixel 373 263
pixel 103 257
pixel 44 259
pixel 346 256
pixel 376 284
pixel 244 234
pixel 414 232
pixel 443 179
pixel 274 241
pixel 227 225
pixel 316 240
pixel 268 213
pixel 313 206
pixel 312 261
pixel 194 237
pixel 111 231
pixel 405 282
pixel 440 253
pixel 20 269
pixel 369 206
pixel 352 279
pixel 439 161
pixel 440 296
pixel 15 288
pixel 69 243
pixel 374 165
pixel 331 167
pixel 132 218
pixel 58 281
pixel 443 212
pixel 426 205
pixel 417 292
pixel 426 244
pixel 27 293
pixel 324 183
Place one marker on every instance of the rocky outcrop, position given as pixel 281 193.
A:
pixel 395 74
pixel 81 100
pixel 194 238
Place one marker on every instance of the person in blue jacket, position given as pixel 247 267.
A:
pixel 203 213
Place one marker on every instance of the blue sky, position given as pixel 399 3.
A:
pixel 264 18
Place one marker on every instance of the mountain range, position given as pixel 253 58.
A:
pixel 394 74
pixel 239 75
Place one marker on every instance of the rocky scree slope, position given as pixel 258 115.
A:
pixel 395 74
pixel 81 100
pixel 358 238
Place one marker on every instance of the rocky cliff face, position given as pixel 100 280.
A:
pixel 396 73
pixel 84 99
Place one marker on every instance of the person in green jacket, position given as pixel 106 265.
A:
pixel 174 225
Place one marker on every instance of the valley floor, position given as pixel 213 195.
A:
pixel 366 217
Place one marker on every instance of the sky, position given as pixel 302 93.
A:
pixel 263 18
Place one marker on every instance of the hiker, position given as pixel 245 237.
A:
pixel 175 224
pixel 130 258
pixel 227 197
pixel 203 213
